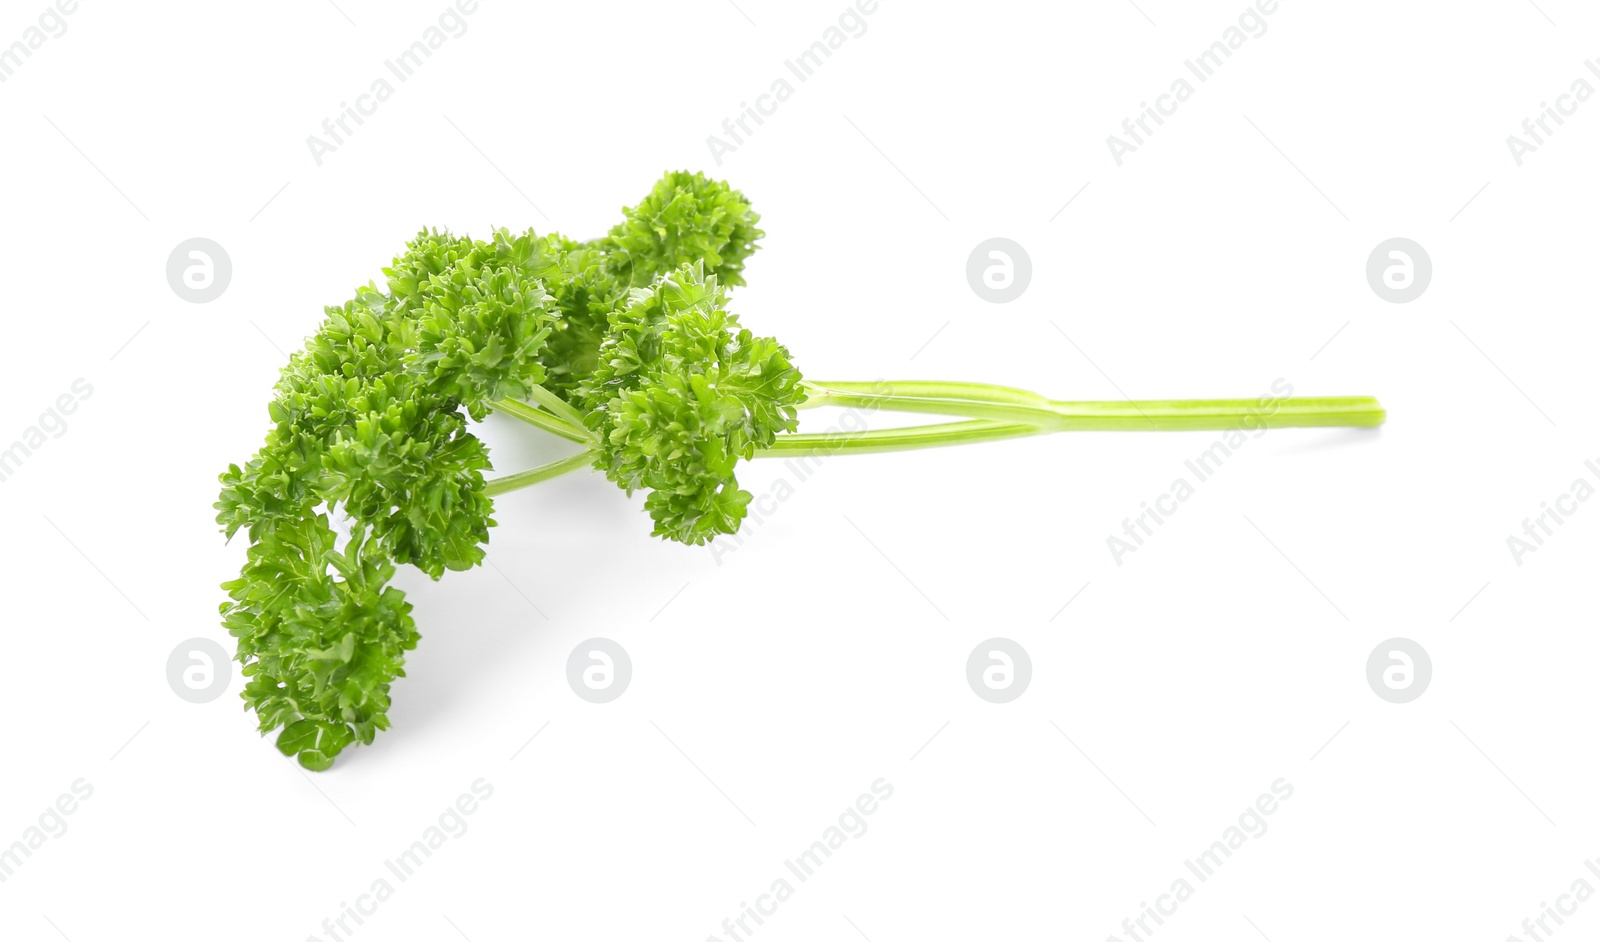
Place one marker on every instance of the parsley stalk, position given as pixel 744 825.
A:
pixel 993 413
pixel 624 345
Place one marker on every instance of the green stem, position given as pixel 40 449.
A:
pixel 1003 404
pixel 896 439
pixel 977 392
pixel 557 405
pixel 811 443
pixel 994 412
pixel 544 420
pixel 543 472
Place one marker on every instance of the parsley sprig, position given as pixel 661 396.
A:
pixel 624 345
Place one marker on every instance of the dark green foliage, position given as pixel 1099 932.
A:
pixel 585 293
pixel 681 393
pixel 370 423
pixel 687 218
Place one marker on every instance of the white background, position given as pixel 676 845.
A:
pixel 775 684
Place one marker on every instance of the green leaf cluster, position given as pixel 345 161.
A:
pixel 686 218
pixel 681 394
pixel 624 345
pixel 370 424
